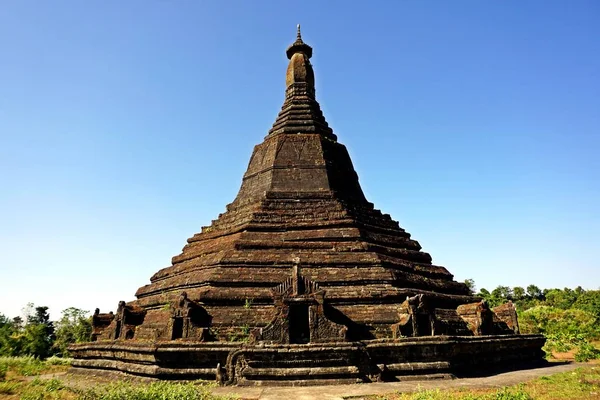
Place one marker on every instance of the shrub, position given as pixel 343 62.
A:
pixel 587 352
pixel 59 361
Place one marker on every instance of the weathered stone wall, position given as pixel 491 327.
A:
pixel 238 363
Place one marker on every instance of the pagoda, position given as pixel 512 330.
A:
pixel 302 280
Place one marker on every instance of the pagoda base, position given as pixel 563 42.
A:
pixel 309 364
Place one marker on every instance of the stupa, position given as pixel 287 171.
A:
pixel 302 281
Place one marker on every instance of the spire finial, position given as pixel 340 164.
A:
pixel 299 46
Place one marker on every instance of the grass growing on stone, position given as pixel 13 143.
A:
pixel 580 384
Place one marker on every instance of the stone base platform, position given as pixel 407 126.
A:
pixel 309 364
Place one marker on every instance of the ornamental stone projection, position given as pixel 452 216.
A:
pixel 302 281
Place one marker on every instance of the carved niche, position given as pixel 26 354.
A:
pixel 125 321
pixel 299 314
pixel 416 318
pixel 189 320
pixel 478 316
pixel 505 319
pixel 100 323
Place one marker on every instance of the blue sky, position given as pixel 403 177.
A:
pixel 127 126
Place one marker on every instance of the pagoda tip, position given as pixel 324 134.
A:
pixel 298 34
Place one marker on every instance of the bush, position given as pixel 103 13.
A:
pixel 54 360
pixel 587 352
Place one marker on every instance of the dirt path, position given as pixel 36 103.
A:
pixel 356 391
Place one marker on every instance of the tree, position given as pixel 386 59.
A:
pixel 74 327
pixel 6 330
pixel 484 294
pixel 518 293
pixel 562 299
pixel 589 301
pixel 37 337
pixel 535 292
pixel 17 323
pixel 500 295
pixel 471 285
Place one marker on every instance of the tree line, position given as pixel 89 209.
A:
pixel 36 335
pixel 569 318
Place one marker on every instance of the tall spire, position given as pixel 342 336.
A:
pixel 300 112
pixel 299 46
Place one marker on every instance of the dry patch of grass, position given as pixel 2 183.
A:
pixel 580 384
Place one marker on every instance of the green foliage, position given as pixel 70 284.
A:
pixel 54 360
pixel 535 292
pixel 588 301
pixel 519 293
pixel 36 340
pixel 9 387
pixel 562 299
pixel 38 336
pixel 3 371
pixel 550 320
pixel 29 365
pixel 507 393
pixel 44 390
pixel 155 390
pixel 564 329
pixel 587 352
pixel 248 303
pixel 471 285
pixel 569 318
pixel 73 327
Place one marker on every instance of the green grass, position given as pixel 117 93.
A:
pixel 16 381
pixel 30 366
pixel 54 389
pixel 9 387
pixel 46 390
pixel 152 391
pixel 507 393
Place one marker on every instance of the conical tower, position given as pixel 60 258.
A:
pixel 301 204
pixel 298 277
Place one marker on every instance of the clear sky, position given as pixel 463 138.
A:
pixel 126 126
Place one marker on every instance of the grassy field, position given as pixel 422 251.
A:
pixel 19 380
pixel 580 384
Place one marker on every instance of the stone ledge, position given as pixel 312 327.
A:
pixel 341 362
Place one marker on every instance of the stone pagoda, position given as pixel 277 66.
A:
pixel 301 280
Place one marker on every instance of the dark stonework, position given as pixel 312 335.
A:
pixel 301 280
